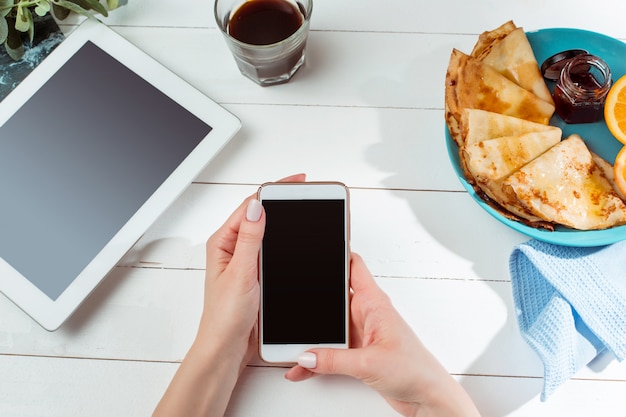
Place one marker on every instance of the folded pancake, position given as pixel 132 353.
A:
pixel 489 38
pixel 564 185
pixel 480 125
pixel 496 158
pixel 491 161
pixel 452 109
pixel 609 173
pixel 513 57
pixel 472 84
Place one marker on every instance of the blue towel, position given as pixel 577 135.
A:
pixel 570 304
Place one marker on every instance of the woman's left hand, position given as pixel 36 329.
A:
pixel 227 335
pixel 232 294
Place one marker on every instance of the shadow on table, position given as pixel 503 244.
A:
pixel 106 296
pixel 85 314
pixel 416 158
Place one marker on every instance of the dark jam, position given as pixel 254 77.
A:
pixel 264 22
pixel 581 90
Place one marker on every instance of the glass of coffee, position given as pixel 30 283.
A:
pixel 267 37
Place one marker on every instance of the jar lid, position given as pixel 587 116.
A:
pixel 551 67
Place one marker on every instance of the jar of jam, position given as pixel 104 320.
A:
pixel 581 89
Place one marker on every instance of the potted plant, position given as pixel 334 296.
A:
pixel 19 18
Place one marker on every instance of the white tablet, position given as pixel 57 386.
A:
pixel 94 145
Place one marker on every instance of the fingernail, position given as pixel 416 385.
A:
pixel 253 213
pixel 307 360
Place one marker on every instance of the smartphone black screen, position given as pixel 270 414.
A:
pixel 304 264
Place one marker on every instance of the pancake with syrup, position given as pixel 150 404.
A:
pixel 564 185
pixel 490 161
pixel 472 84
pixel 508 51
pixel 479 125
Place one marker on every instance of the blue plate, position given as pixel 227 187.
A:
pixel 545 43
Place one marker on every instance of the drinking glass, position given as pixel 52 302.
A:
pixel 266 61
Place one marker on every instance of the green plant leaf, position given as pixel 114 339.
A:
pixel 91 5
pixel 4 29
pixel 14 45
pixel 114 4
pixel 15 54
pixel 5 7
pixel 24 19
pixel 73 7
pixel 42 8
pixel 31 29
pixel 60 12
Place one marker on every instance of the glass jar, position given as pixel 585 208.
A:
pixel 581 89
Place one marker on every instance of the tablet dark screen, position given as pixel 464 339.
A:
pixel 78 159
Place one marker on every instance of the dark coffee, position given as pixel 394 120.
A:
pixel 264 22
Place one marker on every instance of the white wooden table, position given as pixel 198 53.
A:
pixel 367 109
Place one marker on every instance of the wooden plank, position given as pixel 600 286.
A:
pixel 135 314
pixel 152 314
pixel 518 397
pixel 451 16
pixel 33 387
pixel 363 147
pixel 53 387
pixel 408 234
pixel 361 69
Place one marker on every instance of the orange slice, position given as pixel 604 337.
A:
pixel 615 110
pixel 620 170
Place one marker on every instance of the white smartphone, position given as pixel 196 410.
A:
pixel 304 269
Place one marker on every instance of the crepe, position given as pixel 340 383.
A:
pixel 564 185
pixel 609 173
pixel 475 85
pixel 496 158
pixel 513 57
pixel 490 38
pixel 480 125
pixel 490 161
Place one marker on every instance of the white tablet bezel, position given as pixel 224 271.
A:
pixel 50 314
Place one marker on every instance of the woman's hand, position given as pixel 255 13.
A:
pixel 226 337
pixel 387 355
pixel 231 290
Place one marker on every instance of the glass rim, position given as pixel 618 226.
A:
pixel 588 60
pixel 303 27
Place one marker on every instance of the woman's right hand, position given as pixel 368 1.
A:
pixel 386 354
